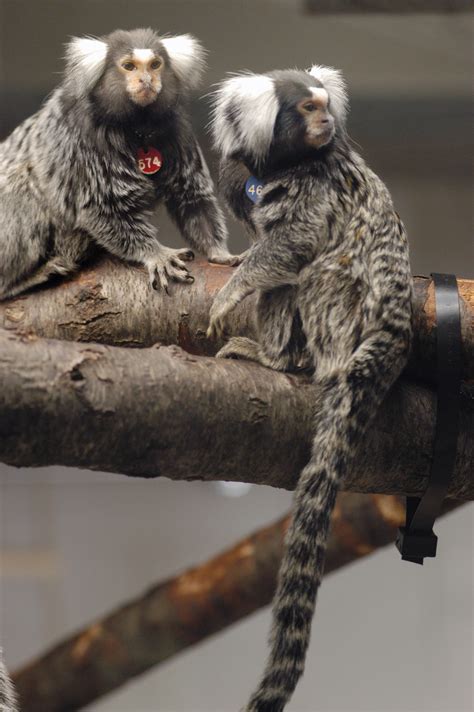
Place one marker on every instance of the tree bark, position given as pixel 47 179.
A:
pixel 111 303
pixel 165 412
pixel 184 610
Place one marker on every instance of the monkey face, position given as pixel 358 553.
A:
pixel 304 122
pixel 142 72
pixel 318 122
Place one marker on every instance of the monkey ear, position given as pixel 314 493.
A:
pixel 334 83
pixel 85 62
pixel 245 108
pixel 187 58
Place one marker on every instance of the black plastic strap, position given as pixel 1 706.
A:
pixel 416 539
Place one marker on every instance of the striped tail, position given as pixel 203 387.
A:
pixel 347 402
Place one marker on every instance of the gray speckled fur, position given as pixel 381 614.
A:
pixel 330 264
pixel 7 695
pixel 69 178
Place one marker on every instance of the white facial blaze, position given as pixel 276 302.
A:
pixel 320 95
pixel 143 55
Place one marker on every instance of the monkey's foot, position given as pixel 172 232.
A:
pixel 225 258
pixel 240 347
pixel 168 265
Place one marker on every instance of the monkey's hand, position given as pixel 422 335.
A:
pixel 169 264
pixel 221 307
pixel 222 257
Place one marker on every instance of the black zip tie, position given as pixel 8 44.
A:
pixel 416 540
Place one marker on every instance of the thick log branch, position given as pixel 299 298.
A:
pixel 112 303
pixel 165 412
pixel 184 610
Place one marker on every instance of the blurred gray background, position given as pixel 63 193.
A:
pixel 389 636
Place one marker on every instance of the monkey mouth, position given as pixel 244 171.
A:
pixel 321 137
pixel 145 95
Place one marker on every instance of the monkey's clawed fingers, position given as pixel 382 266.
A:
pixel 217 324
pixel 170 266
pixel 216 329
pixel 186 255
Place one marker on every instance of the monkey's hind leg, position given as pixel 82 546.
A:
pixel 55 266
pixel 279 327
pixel 72 248
pixel 240 347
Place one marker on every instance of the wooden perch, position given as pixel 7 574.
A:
pixel 161 411
pixel 111 303
pixel 184 610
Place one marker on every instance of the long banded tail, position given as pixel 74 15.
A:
pixel 348 400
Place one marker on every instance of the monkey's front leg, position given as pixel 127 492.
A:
pixel 224 302
pixel 192 204
pixel 132 238
pixel 201 223
pixel 268 264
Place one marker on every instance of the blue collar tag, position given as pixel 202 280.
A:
pixel 253 189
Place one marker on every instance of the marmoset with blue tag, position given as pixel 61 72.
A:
pixel 330 265
pixel 110 143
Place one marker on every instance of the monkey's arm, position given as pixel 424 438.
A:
pixel 192 204
pixel 272 262
pixel 132 237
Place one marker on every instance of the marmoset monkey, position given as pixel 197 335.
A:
pixel 112 141
pixel 330 264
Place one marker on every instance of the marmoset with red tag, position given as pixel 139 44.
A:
pixel 110 143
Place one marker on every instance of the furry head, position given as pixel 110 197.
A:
pixel 247 107
pixel 87 58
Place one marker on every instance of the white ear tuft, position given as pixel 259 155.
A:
pixel 85 62
pixel 334 83
pixel 186 57
pixel 245 108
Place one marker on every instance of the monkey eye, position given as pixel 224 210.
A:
pixel 156 64
pixel 129 66
pixel 309 107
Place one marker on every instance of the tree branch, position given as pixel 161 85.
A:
pixel 186 609
pixel 112 303
pixel 165 412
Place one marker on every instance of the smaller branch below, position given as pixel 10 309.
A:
pixel 187 609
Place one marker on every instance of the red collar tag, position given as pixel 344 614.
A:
pixel 150 161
